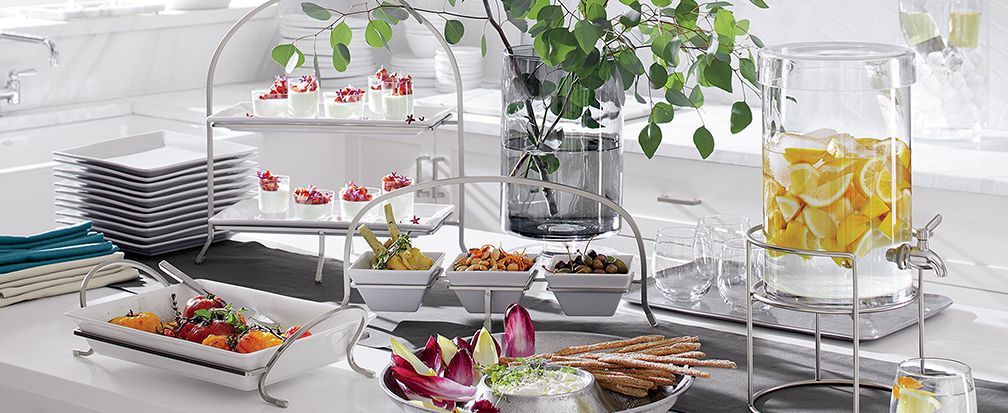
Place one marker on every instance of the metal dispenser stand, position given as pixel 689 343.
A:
pixel 905 256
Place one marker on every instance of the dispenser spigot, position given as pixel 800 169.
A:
pixel 919 256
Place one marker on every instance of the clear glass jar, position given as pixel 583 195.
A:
pixel 836 169
pixel 539 144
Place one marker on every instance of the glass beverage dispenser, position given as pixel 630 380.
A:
pixel 836 169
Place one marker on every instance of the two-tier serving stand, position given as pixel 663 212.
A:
pixel 339 126
pixel 905 256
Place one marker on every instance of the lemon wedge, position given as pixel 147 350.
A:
pixel 803 155
pixel 819 222
pixel 876 207
pixel 851 229
pixel 830 244
pixel 789 206
pixel 895 148
pixel 885 187
pixel 840 210
pixel 916 401
pixel 903 204
pixel 867 176
pixel 863 244
pixel 795 235
pixel 826 193
pixel 802 177
pixel 834 168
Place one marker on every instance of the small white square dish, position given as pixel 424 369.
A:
pixel 490 278
pixel 362 274
pixel 588 280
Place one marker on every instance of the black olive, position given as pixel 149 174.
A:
pixel 611 269
pixel 560 264
pixel 591 253
pixel 621 266
pixel 589 261
pixel 598 265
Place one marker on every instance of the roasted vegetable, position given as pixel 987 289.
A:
pixel 220 342
pixel 200 302
pixel 256 340
pixel 144 321
pixel 398 252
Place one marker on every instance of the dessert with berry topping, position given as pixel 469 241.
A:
pixel 273 192
pixel 399 103
pixel 272 102
pixel 346 103
pixel 379 85
pixel 304 97
pixel 402 205
pixel 312 203
pixel 353 197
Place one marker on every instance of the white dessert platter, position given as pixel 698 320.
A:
pixel 246 214
pixel 235 118
pixel 328 343
pixel 153 154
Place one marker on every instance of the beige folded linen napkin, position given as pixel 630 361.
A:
pixel 121 275
pixel 71 276
pixel 47 272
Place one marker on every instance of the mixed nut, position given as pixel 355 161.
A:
pixel 490 258
pixel 591 262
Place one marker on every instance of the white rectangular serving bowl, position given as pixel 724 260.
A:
pixel 590 280
pixel 362 274
pixel 590 302
pixel 489 278
pixel 325 346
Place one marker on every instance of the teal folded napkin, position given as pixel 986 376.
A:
pixel 61 254
pixel 67 240
pixel 24 265
pixel 15 241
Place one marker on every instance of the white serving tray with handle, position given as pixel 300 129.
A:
pixel 327 344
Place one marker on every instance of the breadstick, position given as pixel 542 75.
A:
pixel 660 343
pixel 673 349
pixel 631 362
pixel 725 364
pixel 607 345
pixel 623 380
pixel 692 354
pixel 625 390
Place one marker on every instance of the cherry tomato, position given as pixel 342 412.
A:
pixel 200 302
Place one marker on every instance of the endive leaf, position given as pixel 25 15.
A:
pixel 431 355
pixel 448 349
pixel 418 366
pixel 485 353
pixel 519 334
pixel 461 369
pixel 433 386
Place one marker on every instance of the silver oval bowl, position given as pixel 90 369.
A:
pixel 591 398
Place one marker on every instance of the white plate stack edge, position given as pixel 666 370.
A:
pixel 148 193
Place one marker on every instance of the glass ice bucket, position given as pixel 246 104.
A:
pixel 836 169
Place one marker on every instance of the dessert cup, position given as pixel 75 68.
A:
pixel 314 211
pixel 348 209
pixel 304 104
pixel 342 110
pixel 267 106
pixel 398 107
pixel 275 202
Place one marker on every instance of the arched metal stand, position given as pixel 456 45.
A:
pixel 757 292
pixel 460 132
pixel 262 372
pixel 380 200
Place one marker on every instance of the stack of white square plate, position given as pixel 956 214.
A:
pixel 148 193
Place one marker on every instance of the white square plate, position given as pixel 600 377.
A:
pixel 167 193
pixel 132 229
pixel 193 196
pixel 221 168
pixel 154 153
pixel 180 183
pixel 87 203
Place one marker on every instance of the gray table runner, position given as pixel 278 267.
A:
pixel 256 266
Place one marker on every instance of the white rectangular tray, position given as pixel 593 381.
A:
pixel 246 214
pixel 222 168
pixel 325 346
pixel 154 153
pixel 236 118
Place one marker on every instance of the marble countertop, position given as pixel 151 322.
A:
pixel 37 365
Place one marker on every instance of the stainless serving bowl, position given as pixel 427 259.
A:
pixel 591 398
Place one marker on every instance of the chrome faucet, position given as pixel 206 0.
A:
pixel 920 256
pixel 54 59
pixel 11 93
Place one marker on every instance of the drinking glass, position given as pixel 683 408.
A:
pixel 933 385
pixel 717 229
pixel 731 275
pixel 679 254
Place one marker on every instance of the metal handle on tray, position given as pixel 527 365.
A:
pixel 120 263
pixel 297 335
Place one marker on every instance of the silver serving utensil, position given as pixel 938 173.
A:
pixel 255 316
